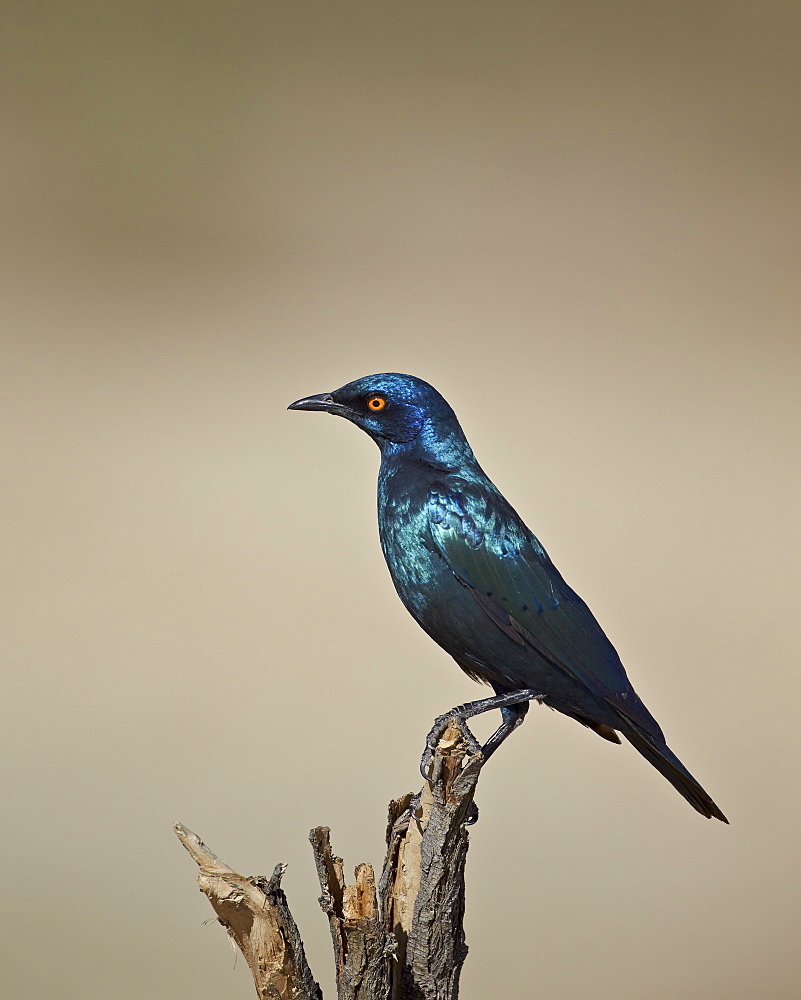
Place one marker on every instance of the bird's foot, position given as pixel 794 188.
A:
pixel 414 809
pixel 441 723
pixel 513 706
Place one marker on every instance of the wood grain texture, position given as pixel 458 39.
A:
pixel 402 940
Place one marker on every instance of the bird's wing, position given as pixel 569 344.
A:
pixel 509 574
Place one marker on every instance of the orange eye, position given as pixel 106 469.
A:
pixel 376 403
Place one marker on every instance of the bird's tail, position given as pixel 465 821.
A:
pixel 667 763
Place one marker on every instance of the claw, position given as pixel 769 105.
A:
pixel 441 723
pixel 513 705
pixel 432 740
pixel 425 764
pixel 471 816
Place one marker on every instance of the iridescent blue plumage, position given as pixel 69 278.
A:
pixel 478 581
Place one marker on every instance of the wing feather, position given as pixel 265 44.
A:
pixel 507 571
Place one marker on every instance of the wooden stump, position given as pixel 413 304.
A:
pixel 400 940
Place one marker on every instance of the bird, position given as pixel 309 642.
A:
pixel 478 581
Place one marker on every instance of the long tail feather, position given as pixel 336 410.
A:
pixel 667 763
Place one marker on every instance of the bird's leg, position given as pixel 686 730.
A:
pixel 513 716
pixel 513 706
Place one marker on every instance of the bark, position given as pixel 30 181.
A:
pixel 402 942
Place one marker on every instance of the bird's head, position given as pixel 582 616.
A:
pixel 399 412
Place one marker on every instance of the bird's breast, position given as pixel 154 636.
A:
pixel 426 585
pixel 411 562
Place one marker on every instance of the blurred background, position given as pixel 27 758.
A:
pixel 581 221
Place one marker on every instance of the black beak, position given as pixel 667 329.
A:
pixel 323 401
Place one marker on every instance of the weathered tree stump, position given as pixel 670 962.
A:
pixel 401 940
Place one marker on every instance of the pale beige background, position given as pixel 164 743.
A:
pixel 581 222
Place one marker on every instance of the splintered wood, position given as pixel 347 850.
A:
pixel 255 913
pixel 404 942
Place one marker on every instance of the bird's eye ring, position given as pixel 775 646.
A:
pixel 376 403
